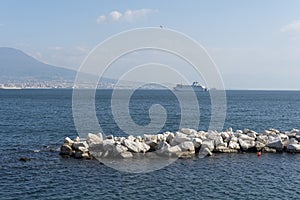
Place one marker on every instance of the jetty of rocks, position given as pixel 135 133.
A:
pixel 182 144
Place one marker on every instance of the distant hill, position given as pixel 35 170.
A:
pixel 16 65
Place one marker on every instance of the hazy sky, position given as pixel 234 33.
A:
pixel 255 44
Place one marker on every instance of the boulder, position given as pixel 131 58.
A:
pixel 135 146
pixel 225 136
pixel 76 145
pixel 131 145
pixel 218 141
pixel 174 150
pixel 276 144
pixel 259 145
pixel 246 137
pixel 234 139
pixel 66 150
pixel 266 132
pixel 143 147
pixel 152 144
pixel 234 145
pixel 274 130
pixel 68 141
pixel 262 138
pixel 246 144
pixel 209 144
pixel 204 152
pixel 94 138
pixel 170 137
pixel 293 148
pixel 202 135
pixel 150 137
pixel 181 137
pixel 252 134
pixel 187 146
pixel 212 135
pixel 188 131
pixel 77 139
pixel 197 142
pixel 109 145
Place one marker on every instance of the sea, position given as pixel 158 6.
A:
pixel 34 123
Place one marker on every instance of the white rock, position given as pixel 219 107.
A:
pixel 252 134
pixel 293 148
pixel 143 147
pixel 120 149
pixel 197 142
pixel 83 149
pixel 150 137
pixel 212 135
pixel 229 130
pixel 131 145
pixel 160 137
pixel 180 137
pixel 274 130
pixel 225 136
pixel 188 131
pixel 234 139
pixel 266 132
pixel 135 146
pixel 131 137
pixel 187 146
pixel 262 138
pixel 246 137
pixel 246 144
pixel 77 139
pixel 126 154
pixel 94 138
pixel 234 145
pixel 202 135
pixel 245 131
pixel 219 141
pixel 208 144
pixel 174 150
pixel 204 152
pixel 109 145
pixel 68 141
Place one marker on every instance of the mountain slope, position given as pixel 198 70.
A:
pixel 16 65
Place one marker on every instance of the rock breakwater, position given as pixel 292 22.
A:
pixel 182 144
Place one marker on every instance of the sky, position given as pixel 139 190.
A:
pixel 254 44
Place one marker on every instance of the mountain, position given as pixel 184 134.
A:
pixel 15 65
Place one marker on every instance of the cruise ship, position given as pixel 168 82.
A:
pixel 196 86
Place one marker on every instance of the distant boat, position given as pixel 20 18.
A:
pixel 197 87
pixel 9 87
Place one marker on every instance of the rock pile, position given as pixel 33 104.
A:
pixel 184 143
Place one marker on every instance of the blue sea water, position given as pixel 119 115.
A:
pixel 34 123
